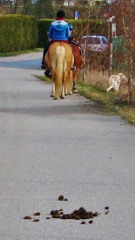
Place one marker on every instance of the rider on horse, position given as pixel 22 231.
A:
pixel 59 31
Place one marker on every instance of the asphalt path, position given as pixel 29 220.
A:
pixel 68 147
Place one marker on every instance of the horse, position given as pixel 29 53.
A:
pixel 78 63
pixel 59 59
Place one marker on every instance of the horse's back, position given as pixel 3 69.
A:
pixel 60 45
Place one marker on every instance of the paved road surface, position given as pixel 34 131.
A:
pixel 48 148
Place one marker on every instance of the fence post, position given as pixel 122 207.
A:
pixel 110 20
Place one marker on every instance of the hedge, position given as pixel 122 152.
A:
pixel 17 32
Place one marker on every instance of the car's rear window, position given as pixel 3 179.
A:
pixel 96 40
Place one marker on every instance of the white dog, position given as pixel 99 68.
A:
pixel 115 80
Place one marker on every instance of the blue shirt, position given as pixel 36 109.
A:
pixel 59 30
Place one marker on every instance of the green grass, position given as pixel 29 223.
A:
pixel 105 101
pixel 108 103
pixel 99 96
pixel 43 78
pixel 8 54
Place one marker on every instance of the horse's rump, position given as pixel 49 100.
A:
pixel 59 50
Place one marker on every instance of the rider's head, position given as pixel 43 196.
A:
pixel 60 14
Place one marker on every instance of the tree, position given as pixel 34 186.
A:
pixel 43 9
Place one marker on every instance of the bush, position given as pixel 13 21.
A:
pixel 43 26
pixel 17 32
pixel 120 54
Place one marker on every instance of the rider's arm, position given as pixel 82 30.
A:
pixel 68 33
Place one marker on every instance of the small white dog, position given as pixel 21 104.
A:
pixel 115 80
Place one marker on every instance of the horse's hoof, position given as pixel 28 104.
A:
pixel 55 98
pixel 51 95
pixel 75 90
pixel 62 97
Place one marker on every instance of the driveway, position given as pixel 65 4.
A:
pixel 67 147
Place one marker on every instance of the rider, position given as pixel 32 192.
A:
pixel 71 38
pixel 58 31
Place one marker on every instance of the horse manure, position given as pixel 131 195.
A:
pixel 77 214
pixel 95 214
pixel 61 212
pixel 81 213
pixel 61 209
pixel 55 216
pixel 27 217
pixel 36 220
pixel 106 212
pixel 61 198
pixel 54 212
pixel 83 222
pixel 37 214
pixel 91 221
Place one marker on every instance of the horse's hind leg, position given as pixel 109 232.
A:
pixel 58 86
pixel 53 89
pixel 64 90
pixel 62 96
pixel 69 82
pixel 53 83
pixel 75 74
pixel 57 93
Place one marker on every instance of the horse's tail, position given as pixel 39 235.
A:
pixel 60 67
pixel 60 57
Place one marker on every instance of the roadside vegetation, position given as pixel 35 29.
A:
pixel 106 102
pixel 8 54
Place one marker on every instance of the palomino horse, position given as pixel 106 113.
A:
pixel 60 60
pixel 78 62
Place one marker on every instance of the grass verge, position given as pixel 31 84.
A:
pixel 106 101
pixel 9 54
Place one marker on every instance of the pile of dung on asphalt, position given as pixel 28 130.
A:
pixel 81 213
pixel 77 214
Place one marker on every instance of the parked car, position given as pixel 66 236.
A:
pixel 95 43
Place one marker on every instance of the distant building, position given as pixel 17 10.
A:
pixel 67 2
pixel 72 2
